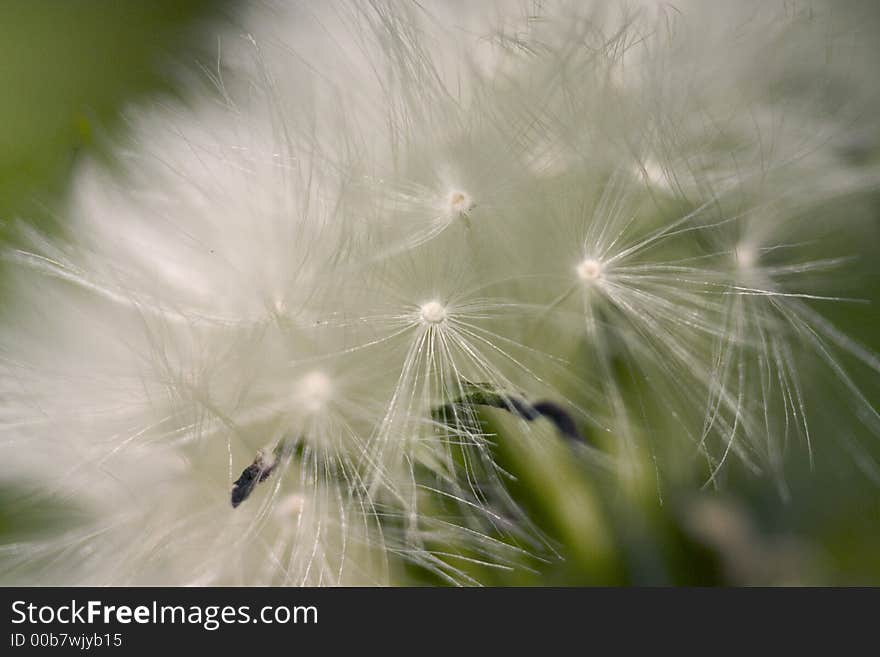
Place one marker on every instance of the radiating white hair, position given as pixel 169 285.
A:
pixel 380 219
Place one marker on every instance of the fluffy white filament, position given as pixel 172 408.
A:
pixel 374 208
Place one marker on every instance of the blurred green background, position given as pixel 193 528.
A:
pixel 67 71
pixel 67 68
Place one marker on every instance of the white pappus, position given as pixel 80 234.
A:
pixel 271 348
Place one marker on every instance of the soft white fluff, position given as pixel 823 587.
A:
pixel 381 204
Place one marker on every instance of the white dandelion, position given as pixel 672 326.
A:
pixel 387 243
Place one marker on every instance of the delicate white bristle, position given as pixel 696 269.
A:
pixel 290 506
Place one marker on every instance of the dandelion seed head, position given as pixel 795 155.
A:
pixel 227 257
pixel 313 391
pixel 433 312
pixel 459 202
pixel 746 255
pixel 590 270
